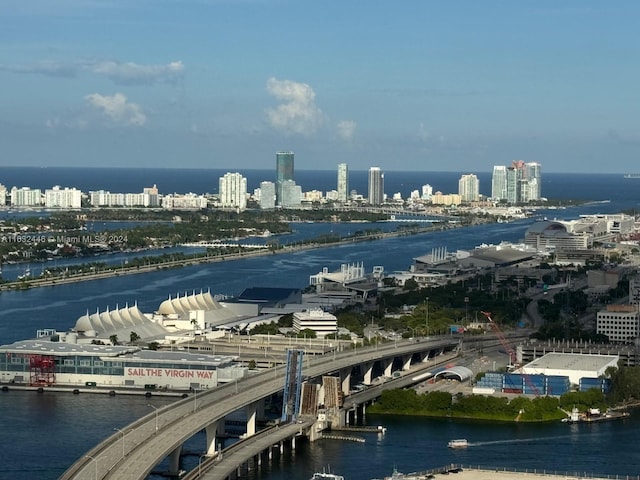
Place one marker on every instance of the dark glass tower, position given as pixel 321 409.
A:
pixel 284 172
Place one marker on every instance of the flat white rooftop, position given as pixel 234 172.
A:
pixel 573 361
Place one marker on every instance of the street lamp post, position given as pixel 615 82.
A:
pixel 413 330
pixel 195 399
pixel 156 410
pixel 275 366
pixel 466 310
pixel 123 435
pixel 200 464
pixel 96 462
pixel 427 318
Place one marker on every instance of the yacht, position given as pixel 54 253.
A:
pixel 326 476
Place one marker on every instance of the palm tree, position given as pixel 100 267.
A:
pixel 114 339
pixel 133 337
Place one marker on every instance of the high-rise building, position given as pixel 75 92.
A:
pixel 499 182
pixel 26 197
pixel 343 182
pixel 233 191
pixel 534 177
pixel 514 175
pixel 267 195
pixel 521 182
pixel 153 195
pixel 376 186
pixel 284 172
pixel 427 192
pixel 57 197
pixel 291 194
pixel 469 188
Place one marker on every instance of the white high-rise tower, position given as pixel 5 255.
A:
pixel 499 182
pixel 233 191
pixel 376 186
pixel 343 183
pixel 469 188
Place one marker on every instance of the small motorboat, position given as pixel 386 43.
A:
pixel 458 443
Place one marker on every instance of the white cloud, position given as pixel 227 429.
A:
pixel 129 73
pixel 47 68
pixel 118 109
pixel 58 123
pixel 298 112
pixel 346 129
pixel 121 73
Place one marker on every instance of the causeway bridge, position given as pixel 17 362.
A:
pixel 133 452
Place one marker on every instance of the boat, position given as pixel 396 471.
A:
pixel 326 476
pixel 593 415
pixel 632 175
pixel 458 443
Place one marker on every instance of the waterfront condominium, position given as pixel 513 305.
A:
pixel 376 186
pixel 499 182
pixel 233 191
pixel 518 183
pixel 343 182
pixel 267 195
pixel 534 178
pixel 469 188
pixel 284 172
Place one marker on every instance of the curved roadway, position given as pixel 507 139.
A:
pixel 148 441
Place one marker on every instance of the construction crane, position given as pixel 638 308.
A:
pixel 505 343
pixel 511 352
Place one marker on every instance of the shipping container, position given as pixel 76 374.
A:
pixel 512 390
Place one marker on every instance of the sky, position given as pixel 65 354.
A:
pixel 415 85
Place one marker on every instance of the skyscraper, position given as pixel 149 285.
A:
pixel 343 182
pixel 499 183
pixel 284 172
pixel 534 177
pixel 376 186
pixel 233 191
pixel 469 188
pixel 514 176
pixel 267 195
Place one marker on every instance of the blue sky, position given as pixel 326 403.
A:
pixel 404 85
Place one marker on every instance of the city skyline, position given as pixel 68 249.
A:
pixel 425 86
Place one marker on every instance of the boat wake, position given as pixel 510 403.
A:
pixel 516 440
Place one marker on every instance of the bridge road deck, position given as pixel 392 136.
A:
pixel 245 450
pixel 145 446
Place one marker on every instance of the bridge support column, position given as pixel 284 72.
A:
pixel 368 371
pixel 406 362
pixel 345 381
pixel 252 412
pixel 211 431
pixel 388 367
pixel 174 461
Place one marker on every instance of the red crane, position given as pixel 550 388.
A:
pixel 505 343
pixel 511 352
